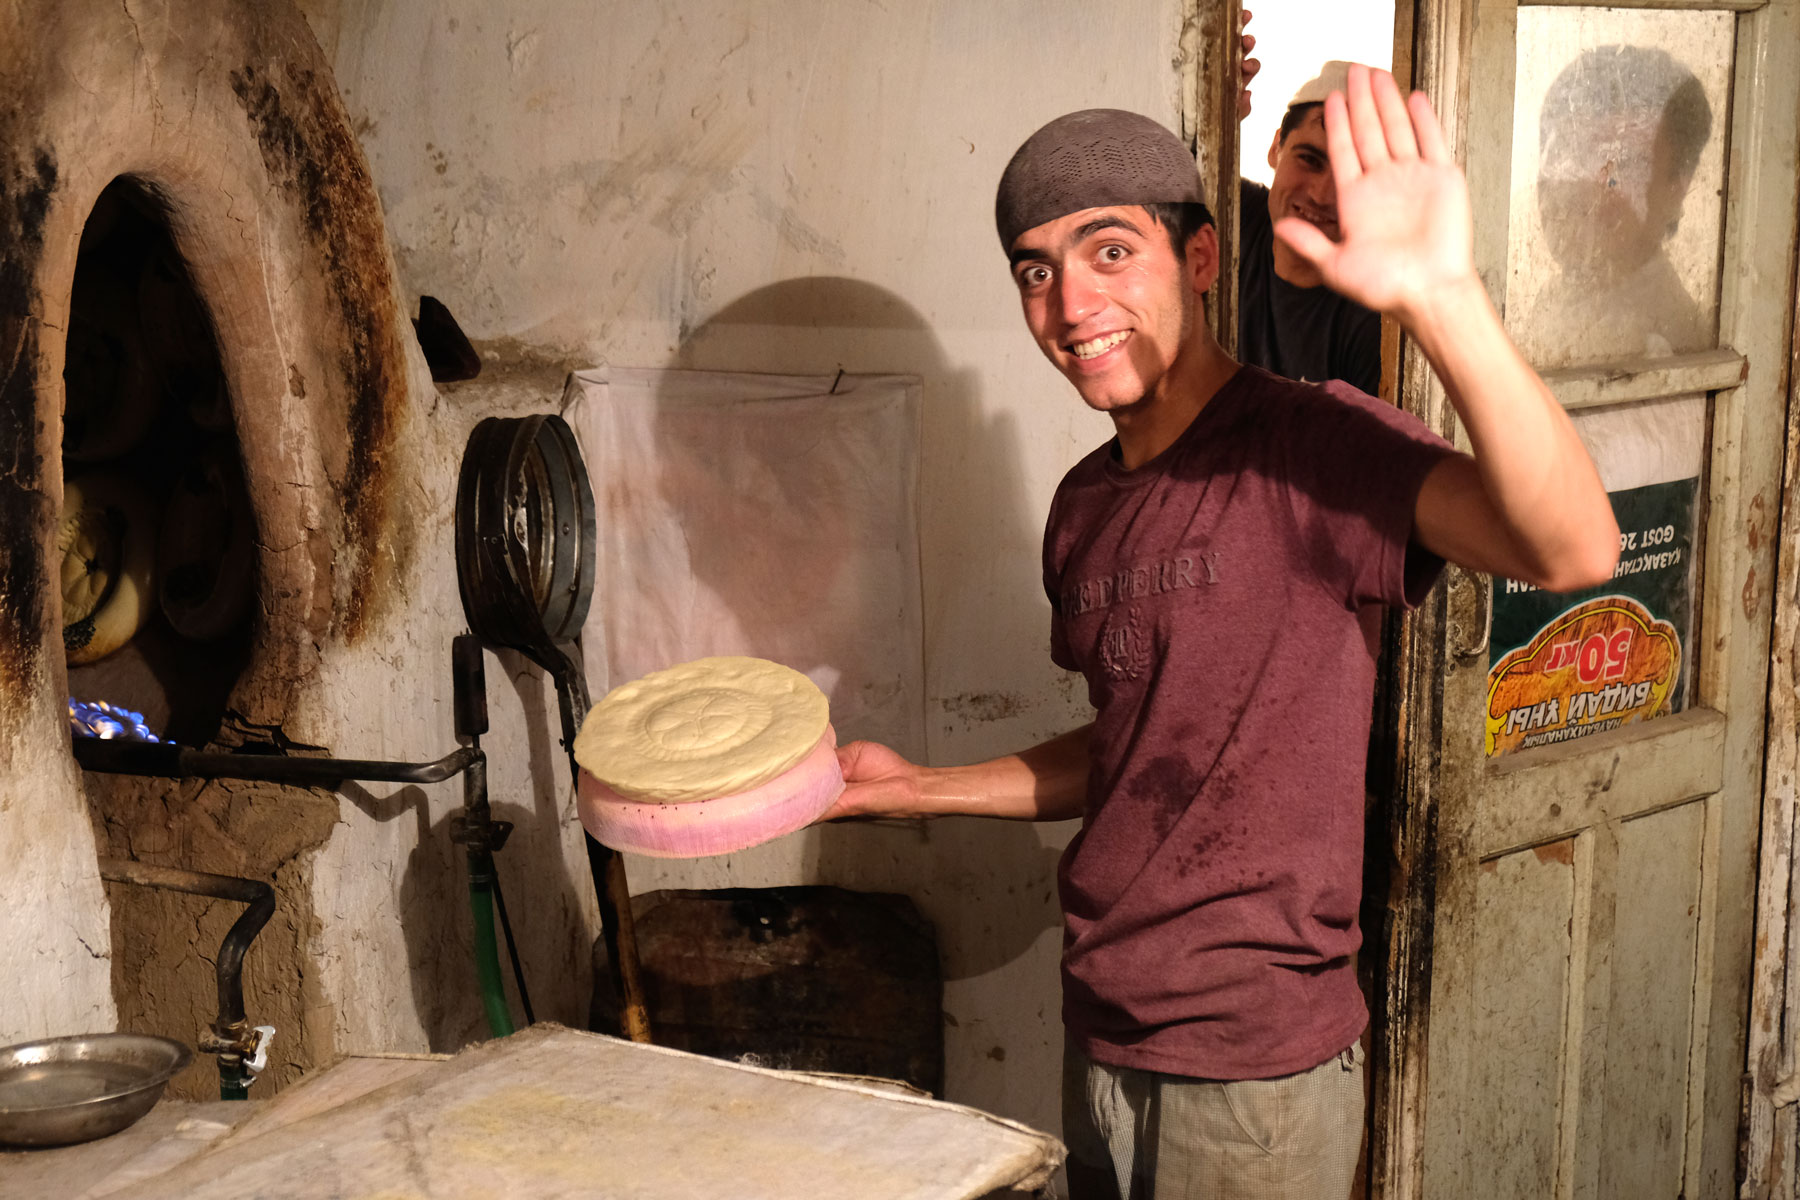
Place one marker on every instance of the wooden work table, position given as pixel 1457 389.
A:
pixel 551 1112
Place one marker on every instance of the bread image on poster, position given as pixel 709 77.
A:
pixel 1597 666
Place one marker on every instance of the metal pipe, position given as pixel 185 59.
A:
pixel 167 760
pixel 512 948
pixel 487 961
pixel 475 828
pixel 480 835
pixel 232 1039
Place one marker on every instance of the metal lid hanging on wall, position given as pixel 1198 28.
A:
pixel 525 533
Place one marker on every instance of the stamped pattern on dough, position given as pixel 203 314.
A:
pixel 705 720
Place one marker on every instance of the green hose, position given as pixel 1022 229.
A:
pixel 487 953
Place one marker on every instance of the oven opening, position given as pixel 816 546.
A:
pixel 157 541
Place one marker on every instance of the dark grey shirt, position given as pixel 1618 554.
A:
pixel 1311 334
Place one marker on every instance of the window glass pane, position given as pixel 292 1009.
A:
pixel 1568 665
pixel 1619 133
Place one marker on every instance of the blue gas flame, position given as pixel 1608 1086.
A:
pixel 100 719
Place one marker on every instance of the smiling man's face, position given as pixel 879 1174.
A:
pixel 1108 300
pixel 1303 186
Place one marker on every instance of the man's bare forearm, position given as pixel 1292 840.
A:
pixel 1045 783
pixel 1048 782
pixel 1553 524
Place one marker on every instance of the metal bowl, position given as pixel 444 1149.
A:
pixel 64 1090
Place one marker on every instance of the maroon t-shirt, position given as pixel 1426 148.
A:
pixel 1210 597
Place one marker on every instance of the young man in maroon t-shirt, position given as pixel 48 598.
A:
pixel 1206 568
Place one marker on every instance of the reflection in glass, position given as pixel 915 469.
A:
pixel 1618 159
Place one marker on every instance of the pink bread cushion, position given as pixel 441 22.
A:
pixel 792 800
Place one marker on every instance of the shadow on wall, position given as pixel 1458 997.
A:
pixel 440 953
pixel 439 957
pixel 969 467
pixel 555 915
pixel 540 889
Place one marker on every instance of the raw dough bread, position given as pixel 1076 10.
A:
pixel 107 540
pixel 792 800
pixel 705 729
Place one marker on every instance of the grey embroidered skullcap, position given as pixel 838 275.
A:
pixel 1092 159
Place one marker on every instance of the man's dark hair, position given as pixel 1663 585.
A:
pixel 1293 117
pixel 1180 221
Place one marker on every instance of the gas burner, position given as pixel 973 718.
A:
pixel 99 719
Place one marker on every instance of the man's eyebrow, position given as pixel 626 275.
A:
pixel 1098 223
pixel 1313 136
pixel 1081 234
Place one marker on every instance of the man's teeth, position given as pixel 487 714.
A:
pixel 1099 345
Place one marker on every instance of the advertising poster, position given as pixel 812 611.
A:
pixel 1570 665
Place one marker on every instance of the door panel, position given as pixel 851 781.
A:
pixel 1570 787
pixel 1652 957
pixel 1527 899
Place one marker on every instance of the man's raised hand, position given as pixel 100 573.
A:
pixel 1403 205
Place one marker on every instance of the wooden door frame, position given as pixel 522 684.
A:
pixel 1431 42
pixel 1443 49
pixel 1209 125
pixel 1770 1126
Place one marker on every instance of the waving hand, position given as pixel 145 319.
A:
pixel 1403 207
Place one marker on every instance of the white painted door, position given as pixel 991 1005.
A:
pixel 1580 850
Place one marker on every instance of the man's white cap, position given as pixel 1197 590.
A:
pixel 1334 76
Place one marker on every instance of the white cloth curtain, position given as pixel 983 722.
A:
pixel 768 515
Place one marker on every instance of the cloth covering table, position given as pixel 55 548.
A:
pixel 555 1113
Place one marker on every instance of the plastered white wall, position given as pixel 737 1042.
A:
pixel 789 187
pixel 55 936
